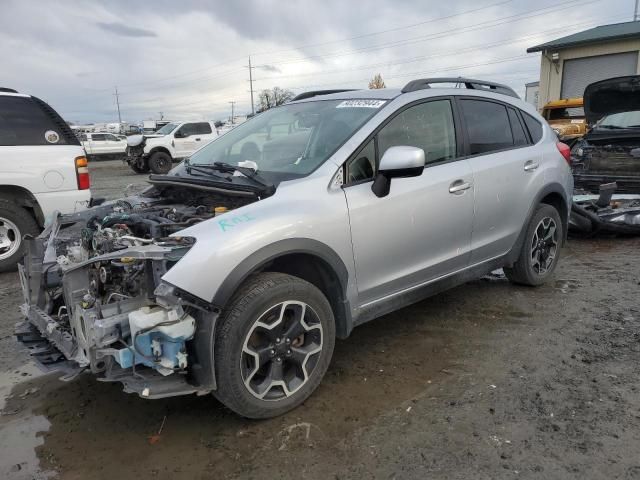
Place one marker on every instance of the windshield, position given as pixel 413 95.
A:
pixel 290 141
pixel 564 113
pixel 167 129
pixel 620 120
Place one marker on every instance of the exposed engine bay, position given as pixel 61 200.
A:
pixel 94 298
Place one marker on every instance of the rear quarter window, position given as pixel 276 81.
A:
pixel 534 127
pixel 27 121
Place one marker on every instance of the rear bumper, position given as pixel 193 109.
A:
pixel 70 201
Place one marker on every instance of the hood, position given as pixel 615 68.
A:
pixel 614 95
pixel 135 140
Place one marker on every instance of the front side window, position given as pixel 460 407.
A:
pixel 488 126
pixel 363 165
pixel 292 140
pixel 98 137
pixel 428 126
pixel 167 129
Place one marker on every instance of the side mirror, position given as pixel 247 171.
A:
pixel 180 134
pixel 397 162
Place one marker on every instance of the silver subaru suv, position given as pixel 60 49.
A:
pixel 235 273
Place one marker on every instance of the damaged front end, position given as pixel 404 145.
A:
pixel 94 298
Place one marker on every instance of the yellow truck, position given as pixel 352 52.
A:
pixel 566 117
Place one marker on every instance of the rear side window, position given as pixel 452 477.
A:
pixel 488 126
pixel 519 137
pixel 98 137
pixel 24 121
pixel 534 127
pixel 200 128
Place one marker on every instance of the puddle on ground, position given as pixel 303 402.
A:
pixel 20 430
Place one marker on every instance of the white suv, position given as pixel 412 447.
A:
pixel 173 142
pixel 43 169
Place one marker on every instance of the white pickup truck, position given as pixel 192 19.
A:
pixel 43 169
pixel 173 142
pixel 102 145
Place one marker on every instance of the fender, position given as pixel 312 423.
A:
pixel 554 187
pixel 159 148
pixel 261 257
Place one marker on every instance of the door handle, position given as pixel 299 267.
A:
pixel 459 186
pixel 197 139
pixel 530 165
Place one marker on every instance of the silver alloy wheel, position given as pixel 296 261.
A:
pixel 544 245
pixel 281 350
pixel 9 238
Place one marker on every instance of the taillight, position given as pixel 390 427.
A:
pixel 82 173
pixel 565 151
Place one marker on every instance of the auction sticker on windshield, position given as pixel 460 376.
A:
pixel 361 104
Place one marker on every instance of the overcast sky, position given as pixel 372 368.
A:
pixel 188 59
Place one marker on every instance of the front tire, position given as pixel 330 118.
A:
pixel 540 250
pixel 15 222
pixel 273 345
pixel 160 163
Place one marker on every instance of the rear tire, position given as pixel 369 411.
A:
pixel 273 345
pixel 540 250
pixel 15 222
pixel 160 163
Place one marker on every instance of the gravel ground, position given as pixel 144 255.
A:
pixel 485 381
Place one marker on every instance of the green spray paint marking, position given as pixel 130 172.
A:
pixel 234 221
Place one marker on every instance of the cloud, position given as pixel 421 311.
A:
pixel 269 68
pixel 196 62
pixel 125 30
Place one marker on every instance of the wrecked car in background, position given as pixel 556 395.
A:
pixel 566 118
pixel 606 161
pixel 235 273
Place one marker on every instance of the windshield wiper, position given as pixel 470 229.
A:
pixel 196 168
pixel 249 173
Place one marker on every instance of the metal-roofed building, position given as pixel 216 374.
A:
pixel 570 63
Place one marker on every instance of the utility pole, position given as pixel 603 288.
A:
pixel 232 105
pixel 635 12
pixel 253 110
pixel 118 104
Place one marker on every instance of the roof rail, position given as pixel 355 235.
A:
pixel 469 83
pixel 316 93
pixel 8 90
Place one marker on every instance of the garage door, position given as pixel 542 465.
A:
pixel 580 72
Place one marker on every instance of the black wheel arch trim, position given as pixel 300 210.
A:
pixel 549 189
pixel 260 258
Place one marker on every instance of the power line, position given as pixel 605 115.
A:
pixel 380 32
pixel 446 33
pixel 486 46
pixel 461 30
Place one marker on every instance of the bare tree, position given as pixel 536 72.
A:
pixel 376 82
pixel 272 98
